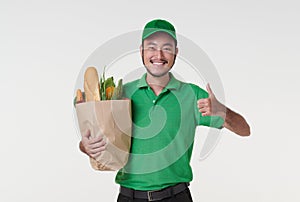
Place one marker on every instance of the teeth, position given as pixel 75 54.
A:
pixel 158 63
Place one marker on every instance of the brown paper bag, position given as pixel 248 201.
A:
pixel 112 120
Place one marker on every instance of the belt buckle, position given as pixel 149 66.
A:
pixel 150 197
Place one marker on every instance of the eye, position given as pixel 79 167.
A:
pixel 167 49
pixel 151 48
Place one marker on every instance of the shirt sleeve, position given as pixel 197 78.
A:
pixel 211 121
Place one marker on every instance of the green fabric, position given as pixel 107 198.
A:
pixel 158 26
pixel 163 134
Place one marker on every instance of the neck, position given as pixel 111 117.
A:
pixel 157 84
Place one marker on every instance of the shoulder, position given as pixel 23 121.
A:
pixel 130 87
pixel 200 92
pixel 131 84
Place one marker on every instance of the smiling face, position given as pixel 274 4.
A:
pixel 158 52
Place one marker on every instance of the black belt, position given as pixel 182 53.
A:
pixel 154 195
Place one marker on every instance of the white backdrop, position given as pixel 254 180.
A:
pixel 254 45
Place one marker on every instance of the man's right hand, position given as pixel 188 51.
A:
pixel 92 146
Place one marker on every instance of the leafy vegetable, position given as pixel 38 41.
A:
pixel 108 91
pixel 118 92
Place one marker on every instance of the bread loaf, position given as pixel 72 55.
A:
pixel 79 96
pixel 91 84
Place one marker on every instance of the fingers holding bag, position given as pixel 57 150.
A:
pixel 93 146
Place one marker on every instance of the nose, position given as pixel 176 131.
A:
pixel 159 53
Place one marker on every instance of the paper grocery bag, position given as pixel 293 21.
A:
pixel 112 120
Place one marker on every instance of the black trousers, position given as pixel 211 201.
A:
pixel 184 196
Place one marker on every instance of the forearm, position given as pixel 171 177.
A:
pixel 236 123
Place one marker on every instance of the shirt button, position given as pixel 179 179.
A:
pixel 153 101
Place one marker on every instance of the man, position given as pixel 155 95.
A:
pixel 166 112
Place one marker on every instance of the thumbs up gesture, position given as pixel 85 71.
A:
pixel 211 106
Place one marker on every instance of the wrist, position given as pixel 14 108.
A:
pixel 222 112
pixel 81 147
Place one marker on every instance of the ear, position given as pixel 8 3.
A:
pixel 141 50
pixel 176 51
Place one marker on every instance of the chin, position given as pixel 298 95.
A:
pixel 157 74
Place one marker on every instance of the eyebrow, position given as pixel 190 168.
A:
pixel 153 43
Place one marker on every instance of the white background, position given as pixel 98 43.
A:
pixel 254 45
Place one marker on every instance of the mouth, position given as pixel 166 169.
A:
pixel 158 62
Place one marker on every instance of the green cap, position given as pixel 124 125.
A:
pixel 158 25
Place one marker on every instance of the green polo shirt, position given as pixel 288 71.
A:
pixel 163 134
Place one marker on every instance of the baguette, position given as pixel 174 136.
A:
pixel 91 84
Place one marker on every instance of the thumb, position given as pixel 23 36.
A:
pixel 87 134
pixel 210 93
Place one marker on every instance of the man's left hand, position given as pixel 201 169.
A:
pixel 211 106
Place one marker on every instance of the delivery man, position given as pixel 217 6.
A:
pixel 165 114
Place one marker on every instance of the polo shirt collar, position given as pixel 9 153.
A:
pixel 172 85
